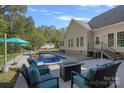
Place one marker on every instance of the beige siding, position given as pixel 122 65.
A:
pixel 91 39
pixel 103 32
pixel 74 31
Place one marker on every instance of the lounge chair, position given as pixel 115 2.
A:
pixel 34 80
pixel 100 77
pixel 43 69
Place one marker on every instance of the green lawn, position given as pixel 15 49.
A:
pixel 8 79
pixel 10 56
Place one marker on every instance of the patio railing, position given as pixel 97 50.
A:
pixel 106 50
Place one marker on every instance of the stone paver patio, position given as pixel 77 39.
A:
pixel 22 59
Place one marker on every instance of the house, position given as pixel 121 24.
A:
pixel 47 46
pixel 102 34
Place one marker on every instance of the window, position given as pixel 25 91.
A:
pixel 120 39
pixel 77 42
pixel 97 40
pixel 81 41
pixel 68 43
pixel 71 42
pixel 61 43
pixel 111 40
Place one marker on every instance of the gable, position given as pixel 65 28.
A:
pixel 77 27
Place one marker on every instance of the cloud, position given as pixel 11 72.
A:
pixel 44 11
pixel 32 9
pixel 92 6
pixel 68 18
pixel 98 11
pixel 84 7
pixel 47 14
pixel 56 12
pixel 110 6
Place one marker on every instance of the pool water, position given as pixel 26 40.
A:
pixel 48 58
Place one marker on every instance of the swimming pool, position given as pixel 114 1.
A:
pixel 48 57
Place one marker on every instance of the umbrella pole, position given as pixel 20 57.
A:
pixel 5 51
pixel 5 68
pixel 14 63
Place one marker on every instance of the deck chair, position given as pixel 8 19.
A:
pixel 34 80
pixel 99 77
pixel 43 69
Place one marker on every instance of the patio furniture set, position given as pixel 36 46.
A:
pixel 39 76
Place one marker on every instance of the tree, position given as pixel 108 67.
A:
pixel 3 9
pixel 11 13
pixel 16 24
pixel 3 24
pixel 52 34
pixel 37 39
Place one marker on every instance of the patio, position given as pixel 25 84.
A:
pixel 55 71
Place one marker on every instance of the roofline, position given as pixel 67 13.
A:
pixel 105 27
pixel 77 21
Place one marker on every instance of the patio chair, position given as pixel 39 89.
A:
pixel 34 80
pixel 100 77
pixel 43 69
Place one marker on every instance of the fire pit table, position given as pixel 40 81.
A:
pixel 67 67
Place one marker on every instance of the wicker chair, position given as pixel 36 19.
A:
pixel 34 80
pixel 100 77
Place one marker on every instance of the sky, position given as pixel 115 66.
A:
pixel 60 15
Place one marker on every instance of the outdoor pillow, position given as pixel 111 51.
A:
pixel 90 73
pixel 34 74
pixel 106 65
pixel 81 82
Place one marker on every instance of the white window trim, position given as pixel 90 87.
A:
pixel 117 40
pixel 80 41
pixel 95 39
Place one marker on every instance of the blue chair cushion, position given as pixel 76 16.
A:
pixel 48 84
pixel 34 74
pixel 80 82
pixel 43 69
pixel 31 60
pixel 42 66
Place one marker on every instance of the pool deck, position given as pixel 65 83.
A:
pixel 22 59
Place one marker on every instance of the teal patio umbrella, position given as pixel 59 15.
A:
pixel 1 40
pixel 23 45
pixel 17 41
